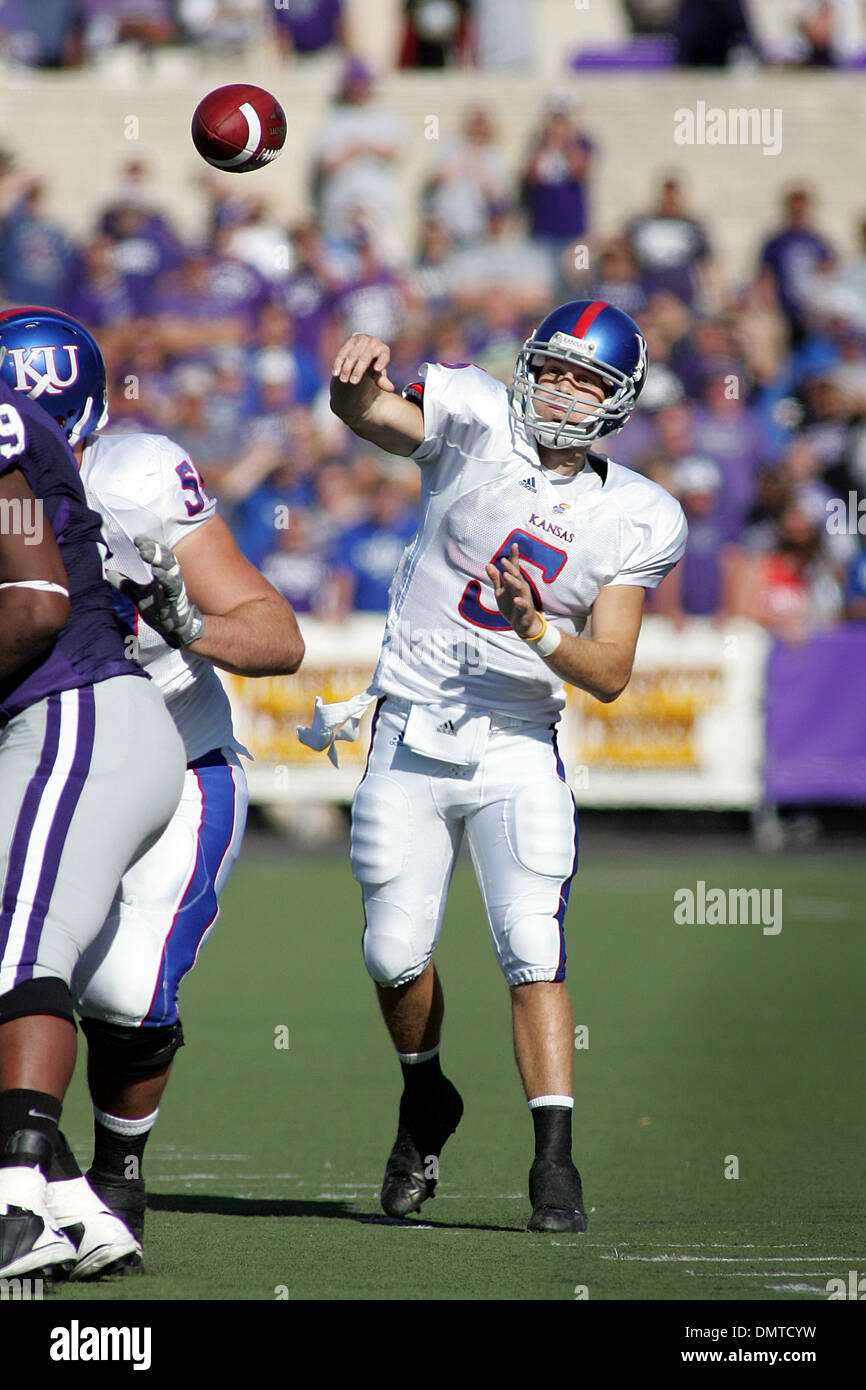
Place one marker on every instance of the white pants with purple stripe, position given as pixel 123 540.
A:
pixel 89 779
pixel 167 904
pixel 408 820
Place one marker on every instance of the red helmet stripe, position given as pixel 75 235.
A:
pixel 588 317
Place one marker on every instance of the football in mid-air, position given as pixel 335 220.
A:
pixel 239 127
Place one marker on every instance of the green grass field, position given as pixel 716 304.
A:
pixel 705 1042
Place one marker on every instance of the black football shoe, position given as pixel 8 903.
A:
pixel 30 1244
pixel 556 1197
pixel 412 1170
pixel 126 1197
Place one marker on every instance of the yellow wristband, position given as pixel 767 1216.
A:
pixel 547 640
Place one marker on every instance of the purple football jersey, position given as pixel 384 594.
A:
pixel 90 647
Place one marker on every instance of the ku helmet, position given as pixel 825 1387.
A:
pixel 603 340
pixel 57 363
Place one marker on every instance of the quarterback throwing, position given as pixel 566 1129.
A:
pixel 525 536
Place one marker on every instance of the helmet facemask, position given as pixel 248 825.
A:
pixel 605 417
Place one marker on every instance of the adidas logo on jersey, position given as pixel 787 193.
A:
pixel 529 484
pixel 446 727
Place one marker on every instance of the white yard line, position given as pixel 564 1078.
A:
pixel 721 1259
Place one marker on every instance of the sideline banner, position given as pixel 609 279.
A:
pixel 687 732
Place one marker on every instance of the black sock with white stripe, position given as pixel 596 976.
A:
pixel 119 1144
pixel 551 1118
pixel 422 1074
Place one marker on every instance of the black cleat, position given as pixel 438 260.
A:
pixel 31 1245
pixel 556 1196
pixel 127 1198
pixel 412 1170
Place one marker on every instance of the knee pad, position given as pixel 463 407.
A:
pixel 46 995
pixel 381 830
pixel 541 828
pixel 534 945
pixel 135 1052
pixel 390 952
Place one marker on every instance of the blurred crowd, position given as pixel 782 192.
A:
pixel 716 33
pixel 490 34
pixel 432 33
pixel 753 412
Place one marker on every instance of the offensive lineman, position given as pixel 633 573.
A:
pixel 218 611
pixel 524 535
pixel 85 743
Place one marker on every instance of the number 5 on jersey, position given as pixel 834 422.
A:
pixel 533 551
pixel 192 481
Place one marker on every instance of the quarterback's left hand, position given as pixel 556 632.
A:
pixel 514 596
pixel 164 604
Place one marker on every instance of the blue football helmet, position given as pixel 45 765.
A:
pixel 589 334
pixel 57 363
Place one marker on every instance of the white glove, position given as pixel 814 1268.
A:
pixel 339 720
pixel 163 604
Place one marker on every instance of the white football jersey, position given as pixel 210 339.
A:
pixel 483 488
pixel 145 485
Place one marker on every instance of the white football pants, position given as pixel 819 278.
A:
pixel 408 820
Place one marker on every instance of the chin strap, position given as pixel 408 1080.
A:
pixel 539 428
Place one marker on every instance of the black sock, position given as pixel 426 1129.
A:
pixel 421 1079
pixel 33 1112
pixel 552 1132
pixel 112 1152
pixel 64 1164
